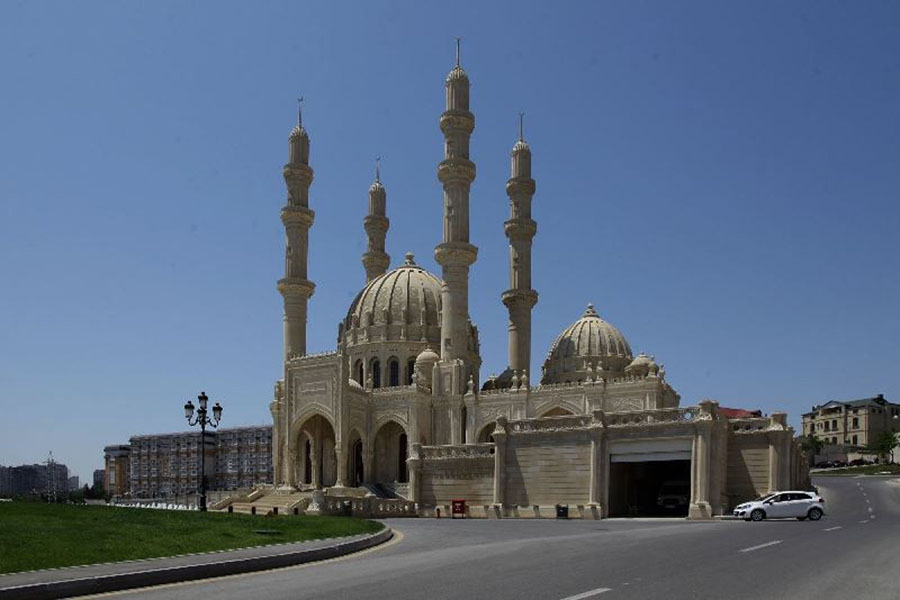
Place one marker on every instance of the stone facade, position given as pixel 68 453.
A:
pixel 855 423
pixel 400 407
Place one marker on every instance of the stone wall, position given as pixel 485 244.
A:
pixel 747 474
pixel 460 471
pixel 567 460
pixel 548 468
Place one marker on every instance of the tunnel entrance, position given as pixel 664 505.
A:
pixel 650 488
pixel 650 478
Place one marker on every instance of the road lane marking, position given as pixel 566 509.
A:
pixel 588 594
pixel 752 548
pixel 870 509
pixel 833 528
pixel 864 522
pixel 868 501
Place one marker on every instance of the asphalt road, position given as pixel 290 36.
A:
pixel 851 553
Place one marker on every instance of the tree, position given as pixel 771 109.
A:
pixel 884 444
pixel 811 445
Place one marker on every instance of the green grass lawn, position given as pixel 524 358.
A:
pixel 41 536
pixel 893 469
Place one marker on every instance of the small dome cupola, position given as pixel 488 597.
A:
pixel 641 366
pixel 587 347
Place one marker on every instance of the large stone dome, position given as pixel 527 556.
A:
pixel 588 344
pixel 402 304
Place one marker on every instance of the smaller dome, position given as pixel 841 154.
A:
pixel 457 74
pixel 376 187
pixel 641 360
pixel 427 356
pixel 521 146
pixel 641 365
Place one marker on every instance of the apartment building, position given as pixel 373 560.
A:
pixel 854 423
pixel 168 465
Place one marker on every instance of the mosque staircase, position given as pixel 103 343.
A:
pixel 268 503
pixel 390 491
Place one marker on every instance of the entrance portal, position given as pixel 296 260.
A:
pixel 650 488
pixel 390 454
pixel 650 477
pixel 319 463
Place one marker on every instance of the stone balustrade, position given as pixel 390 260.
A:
pixel 392 390
pixel 633 418
pixel 369 508
pixel 456 451
pixel 550 424
pixel 293 356
pixel 750 425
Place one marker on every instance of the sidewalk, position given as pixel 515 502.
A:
pixel 108 577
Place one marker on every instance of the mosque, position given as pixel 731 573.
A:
pixel 400 409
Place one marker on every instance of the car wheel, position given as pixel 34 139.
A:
pixel 758 515
pixel 814 514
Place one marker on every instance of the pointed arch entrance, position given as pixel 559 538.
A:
pixel 557 412
pixel 316 444
pixel 391 451
pixel 486 434
pixel 355 462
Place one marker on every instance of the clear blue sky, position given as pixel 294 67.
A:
pixel 721 179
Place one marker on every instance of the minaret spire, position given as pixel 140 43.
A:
pixel 455 254
pixel 297 219
pixel 520 229
pixel 376 224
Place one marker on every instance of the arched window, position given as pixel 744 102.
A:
pixel 376 373
pixel 410 369
pixel 393 372
pixel 307 466
pixel 401 463
pixel 462 424
pixel 360 375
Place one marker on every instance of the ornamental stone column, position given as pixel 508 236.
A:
pixel 598 467
pixel 500 443
pixel 341 456
pixel 701 463
pixel 414 466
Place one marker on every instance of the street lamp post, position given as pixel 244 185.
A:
pixel 203 420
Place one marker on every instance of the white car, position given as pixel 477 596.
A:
pixel 781 505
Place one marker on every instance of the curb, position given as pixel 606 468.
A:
pixel 135 579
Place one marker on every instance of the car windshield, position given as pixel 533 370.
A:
pixel 764 497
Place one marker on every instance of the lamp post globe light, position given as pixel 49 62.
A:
pixel 202 419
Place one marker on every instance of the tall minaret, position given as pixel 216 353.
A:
pixel 520 229
pixel 376 224
pixel 455 255
pixel 297 218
